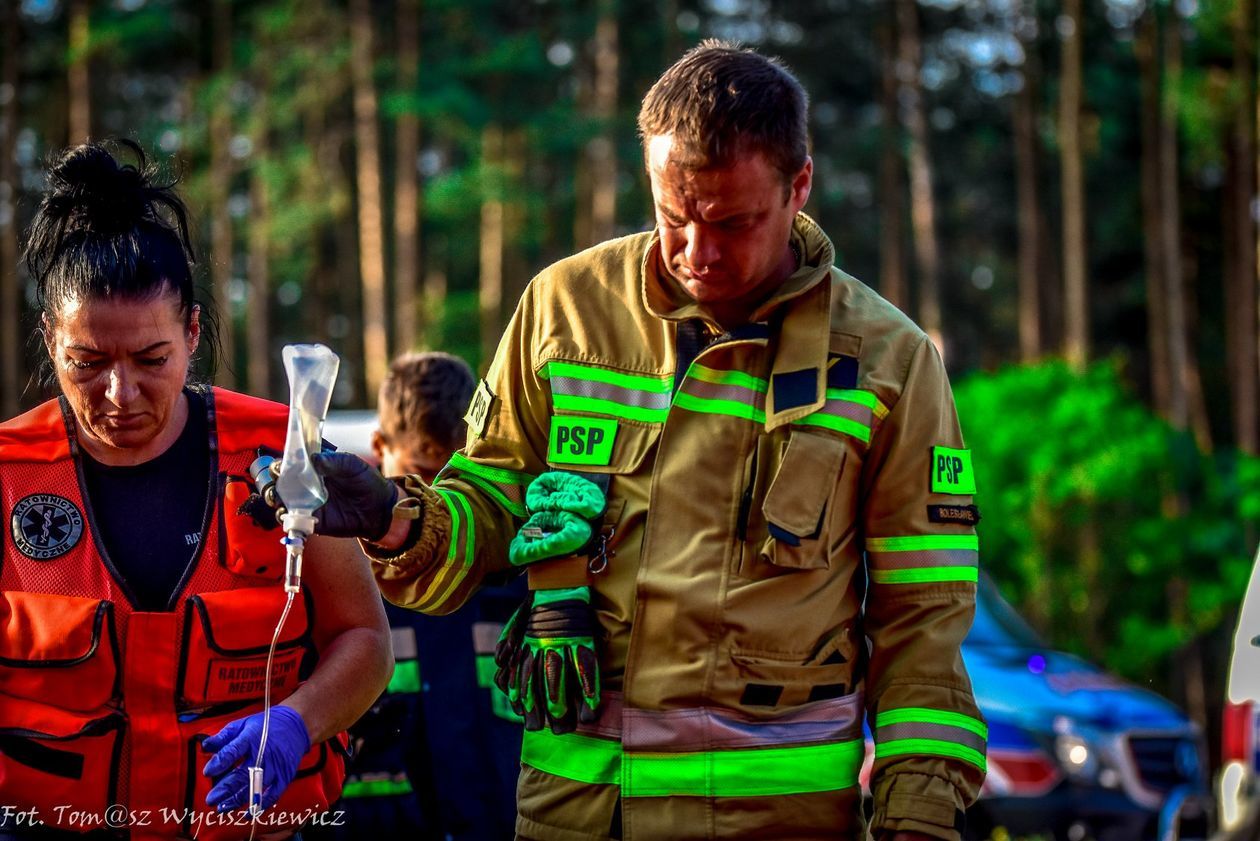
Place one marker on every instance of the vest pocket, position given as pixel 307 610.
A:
pixel 59 650
pixel 51 757
pixel 314 789
pixel 226 638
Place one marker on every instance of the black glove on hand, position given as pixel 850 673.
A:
pixel 547 665
pixel 360 500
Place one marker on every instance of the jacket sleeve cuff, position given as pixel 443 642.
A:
pixel 430 523
pixel 919 803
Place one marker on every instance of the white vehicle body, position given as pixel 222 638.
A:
pixel 1239 782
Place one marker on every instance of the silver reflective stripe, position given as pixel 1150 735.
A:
pixel 734 393
pixel 925 730
pixel 574 387
pixel 704 728
pixel 925 559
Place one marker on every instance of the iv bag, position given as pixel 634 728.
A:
pixel 312 370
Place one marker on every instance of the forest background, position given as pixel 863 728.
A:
pixel 1063 194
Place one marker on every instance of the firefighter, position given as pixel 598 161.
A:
pixel 137 602
pixel 759 462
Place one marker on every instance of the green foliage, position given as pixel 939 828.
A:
pixel 1108 528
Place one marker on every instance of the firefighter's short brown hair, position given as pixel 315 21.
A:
pixel 427 394
pixel 721 101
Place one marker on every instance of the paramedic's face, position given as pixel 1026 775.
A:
pixel 122 365
pixel 724 231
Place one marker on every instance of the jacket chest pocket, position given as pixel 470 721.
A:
pixel 801 506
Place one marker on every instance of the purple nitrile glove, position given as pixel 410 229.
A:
pixel 235 748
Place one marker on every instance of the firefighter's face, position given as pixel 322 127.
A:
pixel 725 231
pixel 122 365
pixel 416 453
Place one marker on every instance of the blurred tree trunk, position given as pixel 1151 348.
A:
pixel 1028 201
pixel 435 285
pixel 10 290
pixel 892 264
pixel 368 197
pixel 922 202
pixel 1071 162
pixel 79 79
pixel 515 269
pixel 1186 406
pixel 672 42
pixel 1147 50
pixel 490 295
pixel 1240 284
pixel 406 184
pixel 601 151
pixel 220 182
pixel 258 308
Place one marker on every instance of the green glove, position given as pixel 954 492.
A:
pixel 548 667
pixel 562 509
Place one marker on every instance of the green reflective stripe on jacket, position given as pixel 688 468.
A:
pixel 926 575
pixel 457 563
pixel 507 487
pixel 599 406
pixel 923 542
pixel 406 678
pixel 729 773
pixel 573 756
pixel 636 382
pixel 582 388
pixel 931 747
pixel 927 715
pixel 848 411
pixel 719 407
pixel 744 773
pixel 376 788
pixel 922 730
pixel 712 375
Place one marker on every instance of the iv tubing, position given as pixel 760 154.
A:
pixel 262 742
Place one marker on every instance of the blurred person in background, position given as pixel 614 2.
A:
pixel 437 756
pixel 137 602
pixel 736 479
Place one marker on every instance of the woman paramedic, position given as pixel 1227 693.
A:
pixel 137 600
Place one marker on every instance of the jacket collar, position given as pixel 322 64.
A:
pixel 801 307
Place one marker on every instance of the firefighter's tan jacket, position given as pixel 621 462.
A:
pixel 794 552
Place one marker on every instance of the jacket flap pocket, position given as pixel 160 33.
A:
pixel 58 649
pixel 803 483
pixel 226 639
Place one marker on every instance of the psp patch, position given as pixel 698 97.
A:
pixel 479 409
pixel 581 440
pixel 45 526
pixel 951 471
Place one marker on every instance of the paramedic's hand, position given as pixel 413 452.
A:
pixel 556 679
pixel 360 500
pixel 235 748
